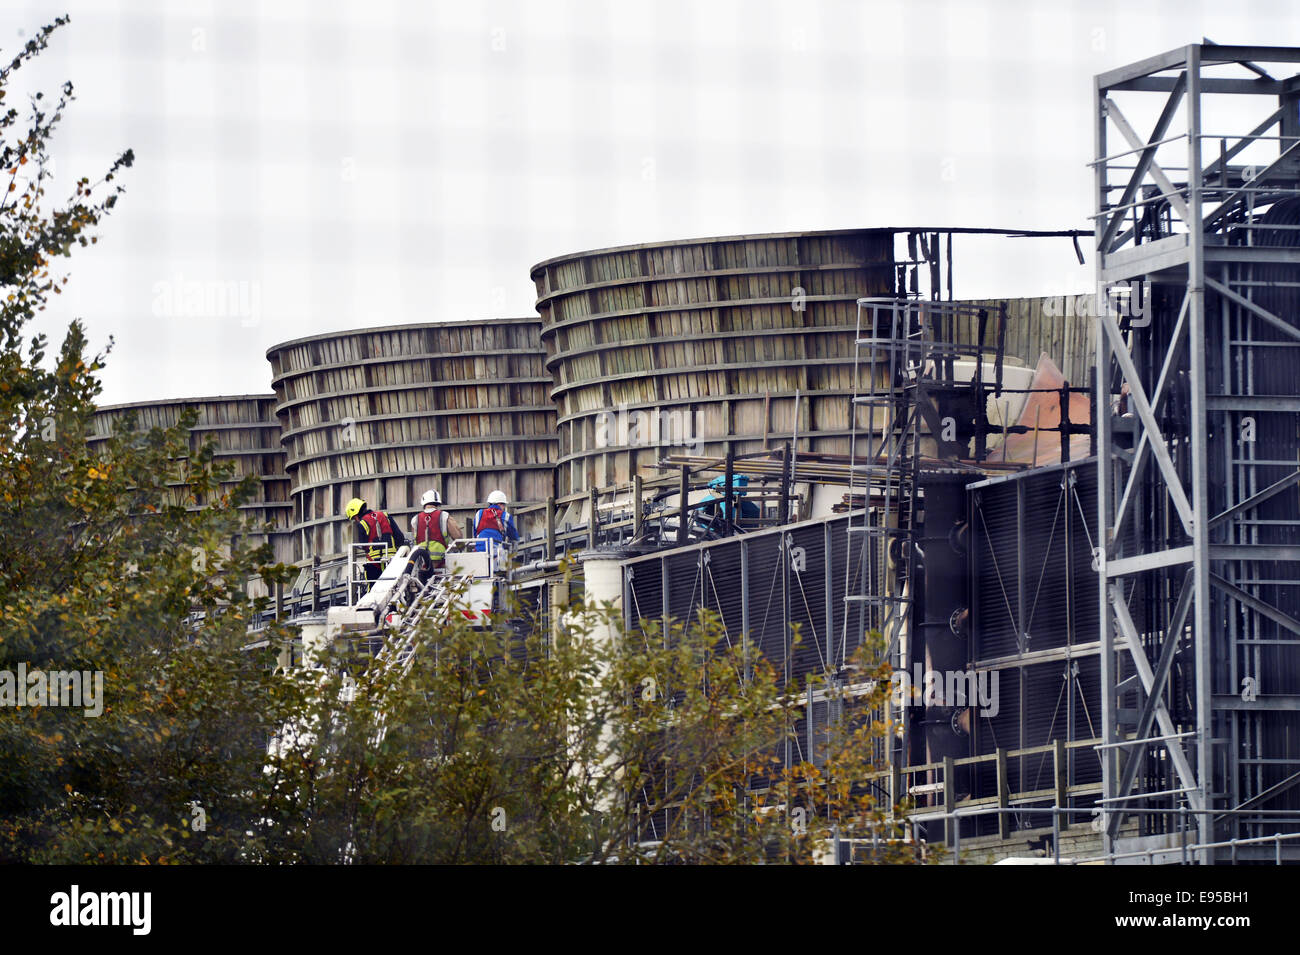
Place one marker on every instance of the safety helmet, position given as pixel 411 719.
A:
pixel 497 497
pixel 431 497
pixel 354 508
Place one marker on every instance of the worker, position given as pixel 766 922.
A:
pixel 714 511
pixel 374 527
pixel 433 529
pixel 494 522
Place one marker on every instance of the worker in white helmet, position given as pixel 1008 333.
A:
pixel 494 522
pixel 433 530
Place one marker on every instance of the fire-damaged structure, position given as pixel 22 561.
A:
pixel 1086 576
pixel 1099 652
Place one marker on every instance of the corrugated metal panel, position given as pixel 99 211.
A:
pixel 1035 565
pixel 995 553
pixel 807 602
pixel 753 586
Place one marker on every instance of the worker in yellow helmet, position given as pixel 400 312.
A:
pixel 374 527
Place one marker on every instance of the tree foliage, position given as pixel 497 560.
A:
pixel 104 558
pixel 584 744
pixel 544 741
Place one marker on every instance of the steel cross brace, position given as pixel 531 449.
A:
pixel 1119 350
pixel 1145 160
pixel 1148 152
pixel 1144 442
pixel 1155 703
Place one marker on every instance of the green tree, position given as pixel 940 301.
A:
pixel 518 744
pixel 104 558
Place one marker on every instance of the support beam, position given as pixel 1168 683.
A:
pixel 1201 625
pixel 1144 443
pixel 1231 203
pixel 1282 326
pixel 1143 666
pixel 1143 407
pixel 1159 677
pixel 1242 143
pixel 1283 620
pixel 1146 160
pixel 1152 64
pixel 1255 499
pixel 1152 560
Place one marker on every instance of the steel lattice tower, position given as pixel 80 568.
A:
pixel 1198 256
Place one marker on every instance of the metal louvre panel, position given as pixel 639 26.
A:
pixel 528 606
pixel 844 639
pixel 1278 666
pixel 1044 564
pixel 807 602
pixel 1045 717
pixel 1085 764
pixel 645 599
pixel 767 631
pixel 743 578
pixel 984 776
pixel 1046 703
pixel 999 731
pixel 683 586
pixel 1084 621
pixel 995 556
pixel 720 589
pixel 1281 740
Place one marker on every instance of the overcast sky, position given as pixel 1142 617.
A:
pixel 341 164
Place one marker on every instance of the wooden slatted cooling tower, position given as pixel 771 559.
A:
pixel 246 432
pixel 715 335
pixel 386 413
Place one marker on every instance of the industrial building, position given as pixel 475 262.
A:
pixel 1091 516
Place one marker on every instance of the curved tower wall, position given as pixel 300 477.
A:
pixel 715 335
pixel 386 413
pixel 246 432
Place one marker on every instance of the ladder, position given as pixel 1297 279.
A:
pixel 432 601
pixel 884 459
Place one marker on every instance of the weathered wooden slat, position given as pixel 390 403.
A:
pixel 246 433
pixel 671 346
pixel 462 407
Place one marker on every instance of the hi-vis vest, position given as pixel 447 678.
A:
pixel 430 533
pixel 377 528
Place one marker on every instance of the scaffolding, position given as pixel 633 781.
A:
pixel 919 412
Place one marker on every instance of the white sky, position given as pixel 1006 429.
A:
pixel 344 164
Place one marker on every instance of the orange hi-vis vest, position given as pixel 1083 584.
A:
pixel 377 528
pixel 429 533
